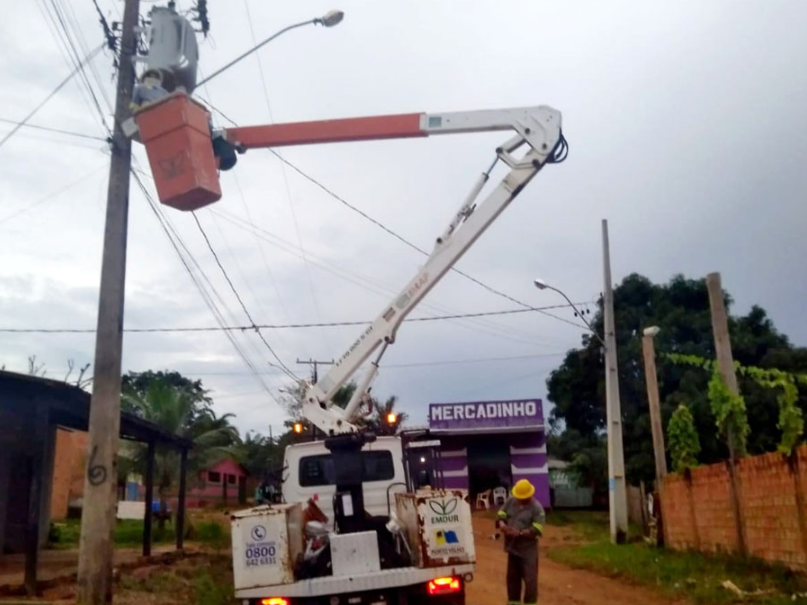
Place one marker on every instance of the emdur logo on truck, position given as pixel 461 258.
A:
pixel 444 510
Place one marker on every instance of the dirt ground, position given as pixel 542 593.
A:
pixel 557 584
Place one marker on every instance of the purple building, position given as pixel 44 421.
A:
pixel 488 444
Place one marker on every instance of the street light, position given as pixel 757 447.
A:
pixel 542 285
pixel 329 19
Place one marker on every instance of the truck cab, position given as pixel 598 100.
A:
pixel 309 472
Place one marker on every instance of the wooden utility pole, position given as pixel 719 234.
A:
pixel 617 490
pixel 98 515
pixel 725 364
pixel 315 364
pixel 656 426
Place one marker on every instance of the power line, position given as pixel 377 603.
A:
pixel 176 243
pixel 240 300
pixel 111 40
pixel 291 326
pixel 71 133
pixel 285 176
pixel 52 195
pixel 74 57
pixel 396 235
pixel 61 84
pixel 412 245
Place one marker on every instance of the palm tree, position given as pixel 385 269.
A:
pixel 381 412
pixel 174 410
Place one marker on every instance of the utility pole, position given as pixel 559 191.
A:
pixel 656 427
pixel 98 514
pixel 314 364
pixel 651 379
pixel 725 364
pixel 617 490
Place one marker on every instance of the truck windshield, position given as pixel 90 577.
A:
pixel 318 470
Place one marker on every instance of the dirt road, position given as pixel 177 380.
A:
pixel 558 585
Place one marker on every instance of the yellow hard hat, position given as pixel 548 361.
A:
pixel 523 489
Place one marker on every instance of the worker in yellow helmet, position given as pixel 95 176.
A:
pixel 521 520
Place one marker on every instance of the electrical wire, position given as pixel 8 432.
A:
pixel 74 57
pixel 178 245
pixel 52 194
pixel 260 247
pixel 240 300
pixel 289 199
pixel 55 130
pixel 78 68
pixel 291 326
pixel 383 291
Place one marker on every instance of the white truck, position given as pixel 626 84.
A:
pixel 385 540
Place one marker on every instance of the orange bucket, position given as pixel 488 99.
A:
pixel 176 133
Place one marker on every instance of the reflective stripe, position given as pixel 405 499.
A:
pixel 540 529
pixel 515 603
pixel 503 515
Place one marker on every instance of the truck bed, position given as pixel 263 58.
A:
pixel 328 585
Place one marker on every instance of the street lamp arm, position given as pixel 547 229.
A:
pixel 254 48
pixel 576 310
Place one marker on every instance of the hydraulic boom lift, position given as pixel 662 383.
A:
pixel 175 131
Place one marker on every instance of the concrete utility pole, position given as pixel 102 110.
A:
pixel 617 490
pixel 651 378
pixel 315 364
pixel 98 515
pixel 725 364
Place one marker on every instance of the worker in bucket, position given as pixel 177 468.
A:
pixel 149 90
pixel 521 520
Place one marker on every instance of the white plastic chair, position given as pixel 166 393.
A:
pixel 499 496
pixel 483 500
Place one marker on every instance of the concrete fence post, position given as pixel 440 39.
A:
pixel 692 515
pixel 793 467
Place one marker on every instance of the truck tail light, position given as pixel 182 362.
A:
pixel 274 601
pixel 440 586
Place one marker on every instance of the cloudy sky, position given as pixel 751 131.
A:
pixel 685 120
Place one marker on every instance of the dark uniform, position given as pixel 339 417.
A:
pixel 522 551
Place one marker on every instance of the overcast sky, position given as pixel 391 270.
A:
pixel 686 125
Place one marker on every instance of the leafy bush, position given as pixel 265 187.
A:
pixel 683 437
pixel 729 411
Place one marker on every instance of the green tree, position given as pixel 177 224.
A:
pixel 378 422
pixel 258 454
pixel 175 409
pixel 683 440
pixel 681 309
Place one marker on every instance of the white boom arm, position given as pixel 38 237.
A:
pixel 537 127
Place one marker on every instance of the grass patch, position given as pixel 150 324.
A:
pixel 591 525
pixel 204 580
pixel 128 532
pixel 693 575
pixel 212 533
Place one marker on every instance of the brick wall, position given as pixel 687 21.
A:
pixel 68 471
pixel 699 514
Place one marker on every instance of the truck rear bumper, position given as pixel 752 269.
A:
pixel 379 580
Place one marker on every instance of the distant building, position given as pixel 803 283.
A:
pixel 491 444
pixel 224 482
pixel 564 487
